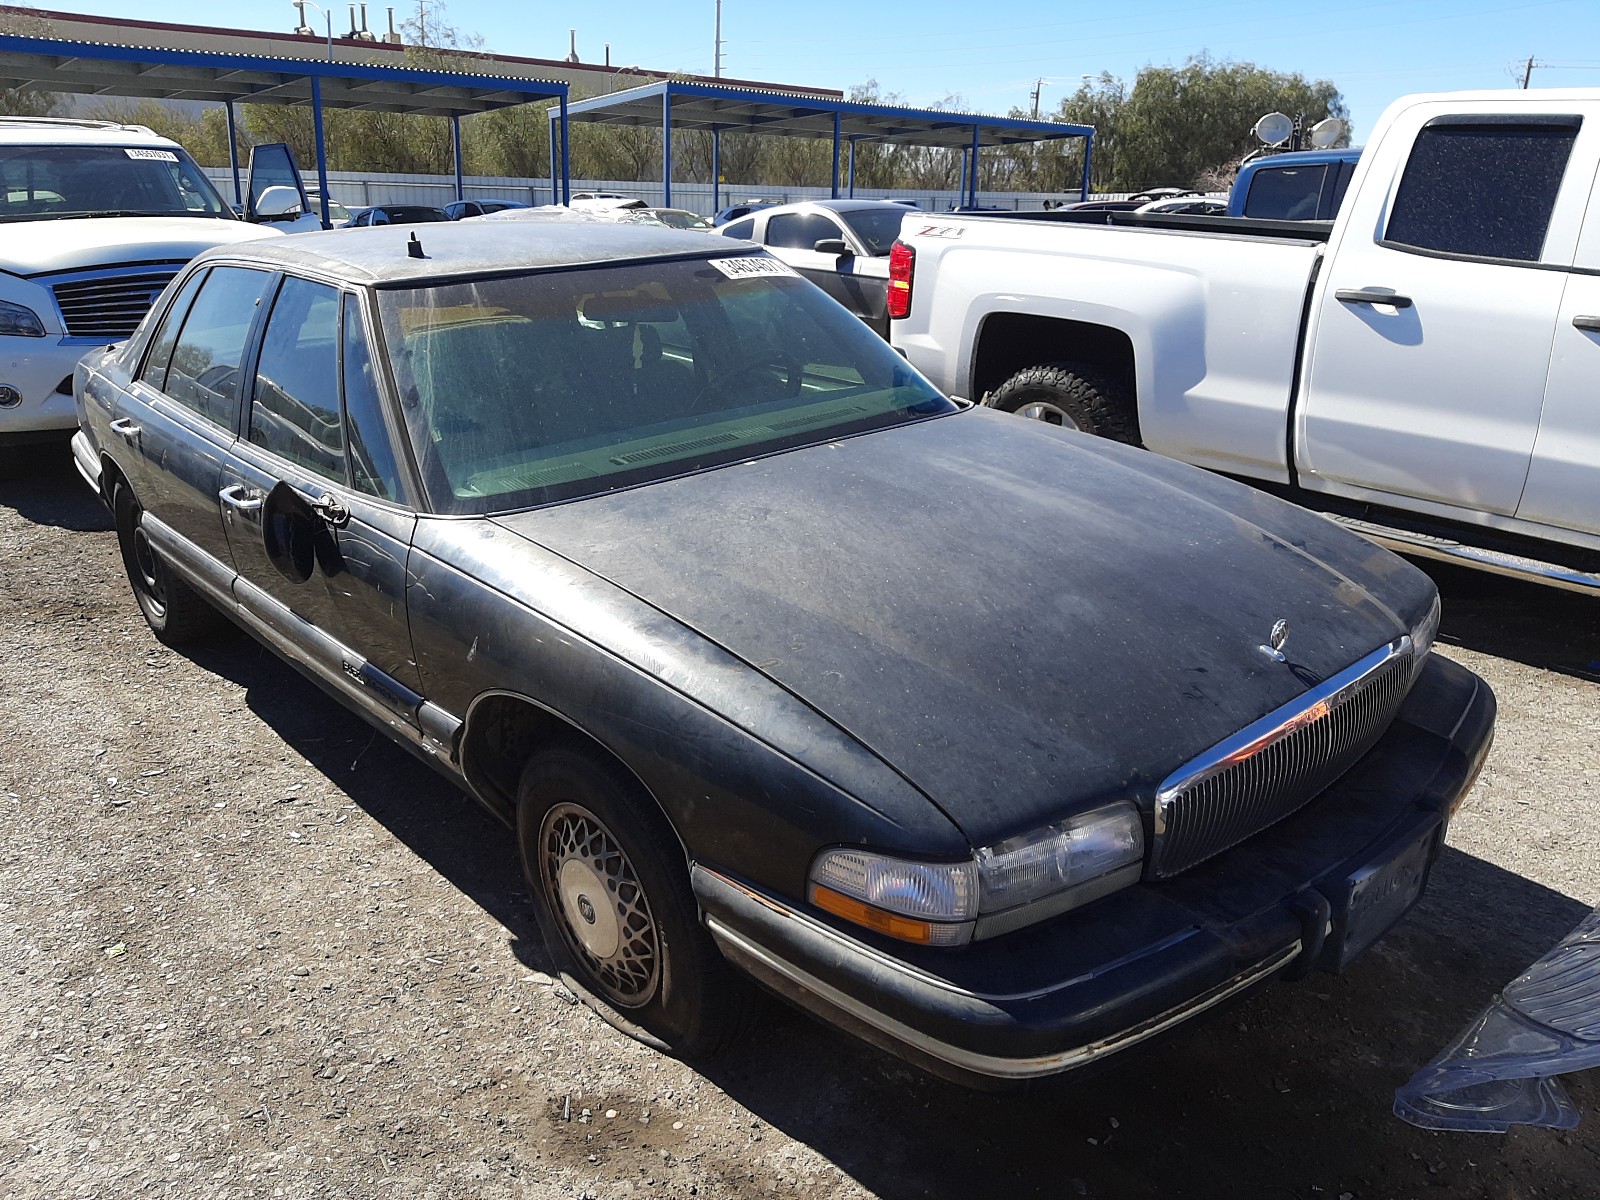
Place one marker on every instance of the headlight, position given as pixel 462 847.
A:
pixel 19 320
pixel 1424 633
pixel 1010 884
pixel 932 903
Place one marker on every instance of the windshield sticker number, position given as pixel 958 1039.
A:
pixel 152 155
pixel 752 267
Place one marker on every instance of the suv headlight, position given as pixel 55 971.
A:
pixel 1004 887
pixel 19 321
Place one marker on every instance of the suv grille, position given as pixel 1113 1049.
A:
pixel 110 306
pixel 1279 764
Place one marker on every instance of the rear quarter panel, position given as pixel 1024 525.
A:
pixel 1214 320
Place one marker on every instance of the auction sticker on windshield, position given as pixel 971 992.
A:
pixel 752 267
pixel 157 155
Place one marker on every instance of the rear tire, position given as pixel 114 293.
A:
pixel 175 612
pixel 612 895
pixel 1072 395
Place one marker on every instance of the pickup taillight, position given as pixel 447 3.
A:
pixel 902 266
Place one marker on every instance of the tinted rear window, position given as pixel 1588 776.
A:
pixel 1484 191
pixel 1286 193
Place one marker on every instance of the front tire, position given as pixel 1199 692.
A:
pixel 1074 396
pixel 175 612
pixel 612 896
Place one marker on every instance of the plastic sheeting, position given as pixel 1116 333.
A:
pixel 1500 1070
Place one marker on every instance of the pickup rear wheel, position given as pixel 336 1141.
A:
pixel 1073 395
pixel 175 612
pixel 612 896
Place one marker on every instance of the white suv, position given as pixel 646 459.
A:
pixel 95 219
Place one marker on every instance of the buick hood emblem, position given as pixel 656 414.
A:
pixel 1275 640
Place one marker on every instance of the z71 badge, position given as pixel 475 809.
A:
pixel 941 231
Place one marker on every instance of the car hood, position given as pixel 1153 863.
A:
pixel 41 247
pixel 1021 621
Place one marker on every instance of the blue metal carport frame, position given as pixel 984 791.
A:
pixel 678 105
pixel 100 69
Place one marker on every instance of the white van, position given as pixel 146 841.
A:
pixel 95 219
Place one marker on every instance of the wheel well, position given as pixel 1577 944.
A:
pixel 1010 342
pixel 110 476
pixel 504 731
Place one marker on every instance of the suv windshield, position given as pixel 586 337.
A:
pixel 534 388
pixel 44 182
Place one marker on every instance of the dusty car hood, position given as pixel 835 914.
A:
pixel 38 247
pixel 1020 621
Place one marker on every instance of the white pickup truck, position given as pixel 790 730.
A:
pixel 1426 368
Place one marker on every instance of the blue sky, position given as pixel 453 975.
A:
pixel 991 54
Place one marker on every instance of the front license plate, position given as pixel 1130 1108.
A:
pixel 1377 896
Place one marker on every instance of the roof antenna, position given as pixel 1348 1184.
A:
pixel 414 246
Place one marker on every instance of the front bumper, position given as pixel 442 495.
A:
pixel 38 368
pixel 1311 892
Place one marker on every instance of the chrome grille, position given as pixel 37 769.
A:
pixel 110 306
pixel 1279 764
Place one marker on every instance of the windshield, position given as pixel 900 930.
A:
pixel 877 227
pixel 541 387
pixel 47 182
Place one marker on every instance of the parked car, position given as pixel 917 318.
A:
pixel 1132 203
pixel 338 214
pixel 1301 185
pixel 396 214
pixel 95 219
pixel 1422 368
pixel 842 246
pixel 1191 206
pixel 637 212
pixel 600 196
pixel 458 210
pixel 750 637
pixel 743 209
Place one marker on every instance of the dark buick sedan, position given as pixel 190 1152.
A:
pixel 999 746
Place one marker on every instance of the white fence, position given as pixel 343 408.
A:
pixel 355 189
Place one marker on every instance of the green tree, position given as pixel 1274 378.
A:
pixel 1178 125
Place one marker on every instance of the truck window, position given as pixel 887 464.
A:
pixel 1285 193
pixel 1482 189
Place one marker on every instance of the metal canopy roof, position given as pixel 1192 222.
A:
pixel 103 69
pixel 779 114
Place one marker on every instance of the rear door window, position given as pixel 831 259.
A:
pixel 740 229
pixel 155 366
pixel 204 372
pixel 1482 188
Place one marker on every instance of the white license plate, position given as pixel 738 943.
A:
pixel 1379 895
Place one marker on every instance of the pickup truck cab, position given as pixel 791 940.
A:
pixel 1301 185
pixel 1422 368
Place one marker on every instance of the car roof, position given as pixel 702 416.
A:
pixel 378 254
pixel 1291 158
pixel 62 131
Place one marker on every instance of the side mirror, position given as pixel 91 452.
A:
pixel 278 202
pixel 832 246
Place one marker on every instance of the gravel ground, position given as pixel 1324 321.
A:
pixel 252 950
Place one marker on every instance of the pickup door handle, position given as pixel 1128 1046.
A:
pixel 1371 296
pixel 234 497
pixel 1587 324
pixel 124 427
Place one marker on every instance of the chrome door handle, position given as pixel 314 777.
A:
pixel 1371 296
pixel 234 497
pixel 331 511
pixel 1587 324
pixel 124 427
